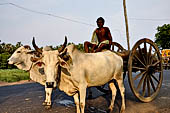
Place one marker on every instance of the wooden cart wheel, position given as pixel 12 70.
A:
pixel 117 47
pixel 145 70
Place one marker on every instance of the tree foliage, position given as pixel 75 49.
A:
pixel 6 51
pixel 163 36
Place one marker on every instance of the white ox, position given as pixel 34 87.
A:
pixel 73 71
pixel 22 59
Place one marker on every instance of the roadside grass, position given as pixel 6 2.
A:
pixel 13 75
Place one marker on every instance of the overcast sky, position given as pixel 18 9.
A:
pixel 49 21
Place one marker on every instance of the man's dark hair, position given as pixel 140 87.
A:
pixel 100 18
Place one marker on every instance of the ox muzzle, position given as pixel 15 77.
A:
pixel 50 84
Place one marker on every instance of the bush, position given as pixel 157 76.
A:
pixel 3 61
pixel 13 75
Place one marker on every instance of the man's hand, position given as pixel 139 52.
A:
pixel 93 48
pixel 100 47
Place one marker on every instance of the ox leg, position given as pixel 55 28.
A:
pixel 77 102
pixel 122 92
pixel 82 98
pixel 47 102
pixel 114 90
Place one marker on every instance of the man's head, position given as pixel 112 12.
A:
pixel 100 22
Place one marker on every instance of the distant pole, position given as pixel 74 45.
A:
pixel 126 22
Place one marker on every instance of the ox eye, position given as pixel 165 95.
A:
pixel 18 51
pixel 40 64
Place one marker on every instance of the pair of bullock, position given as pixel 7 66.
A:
pixel 71 71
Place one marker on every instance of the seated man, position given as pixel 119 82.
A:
pixel 101 38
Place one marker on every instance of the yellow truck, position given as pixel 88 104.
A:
pixel 166 58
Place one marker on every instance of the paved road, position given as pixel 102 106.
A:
pixel 28 98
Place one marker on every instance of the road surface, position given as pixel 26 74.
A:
pixel 28 98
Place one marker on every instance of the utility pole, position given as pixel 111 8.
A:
pixel 126 23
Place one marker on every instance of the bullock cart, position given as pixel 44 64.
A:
pixel 143 65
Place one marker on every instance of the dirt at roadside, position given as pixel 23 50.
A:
pixel 15 83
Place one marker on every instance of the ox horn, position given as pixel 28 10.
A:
pixel 63 46
pixel 35 46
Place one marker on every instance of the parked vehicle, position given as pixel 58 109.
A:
pixel 166 58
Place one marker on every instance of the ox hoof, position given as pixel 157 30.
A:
pixel 44 103
pixel 109 111
pixel 122 110
pixel 48 107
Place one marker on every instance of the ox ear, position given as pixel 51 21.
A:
pixel 30 52
pixel 63 63
pixel 27 47
pixel 64 56
pixel 33 59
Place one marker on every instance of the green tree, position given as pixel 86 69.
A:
pixel 19 44
pixel 80 47
pixel 6 50
pixel 163 36
pixel 3 61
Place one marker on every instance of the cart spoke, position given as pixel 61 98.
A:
pixel 149 54
pixel 148 84
pixel 139 68
pixel 139 60
pixel 145 52
pixel 113 47
pixel 154 56
pixel 141 53
pixel 152 84
pixel 158 71
pixel 144 87
pixel 156 63
pixel 145 48
pixel 155 78
pixel 137 76
pixel 140 82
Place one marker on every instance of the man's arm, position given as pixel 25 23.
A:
pixel 109 36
